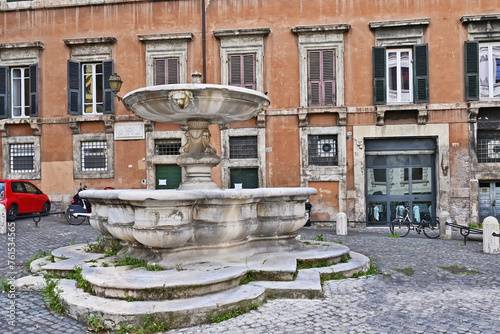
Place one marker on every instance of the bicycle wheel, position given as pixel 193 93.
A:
pixel 71 219
pixel 399 227
pixel 431 229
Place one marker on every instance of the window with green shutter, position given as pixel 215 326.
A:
pixel 471 70
pixel 19 91
pixel 89 92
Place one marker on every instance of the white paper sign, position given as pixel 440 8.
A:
pixel 162 182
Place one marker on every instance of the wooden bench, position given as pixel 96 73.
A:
pixel 465 230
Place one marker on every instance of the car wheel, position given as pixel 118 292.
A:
pixel 12 212
pixel 46 209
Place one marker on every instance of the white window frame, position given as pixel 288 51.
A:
pixel 154 159
pixel 246 41
pixel 35 174
pixel 94 103
pixel 95 144
pixel 318 38
pixel 31 153
pixel 173 45
pixel 23 103
pixel 491 72
pixel 259 162
pixel 78 170
pixel 399 92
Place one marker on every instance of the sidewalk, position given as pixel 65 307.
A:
pixel 431 300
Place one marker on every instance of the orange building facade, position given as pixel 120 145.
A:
pixel 376 104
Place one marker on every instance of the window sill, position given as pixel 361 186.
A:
pixel 34 123
pixel 304 111
pixel 75 121
pixel 421 108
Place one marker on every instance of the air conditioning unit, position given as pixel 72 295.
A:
pixel 326 148
pixel 494 149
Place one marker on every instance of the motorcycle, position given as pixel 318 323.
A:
pixel 80 209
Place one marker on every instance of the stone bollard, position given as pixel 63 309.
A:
pixel 491 244
pixel 341 223
pixel 3 219
pixel 444 230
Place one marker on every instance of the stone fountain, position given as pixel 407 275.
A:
pixel 207 240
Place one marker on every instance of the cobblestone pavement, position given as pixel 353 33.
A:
pixel 431 300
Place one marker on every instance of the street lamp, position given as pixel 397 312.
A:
pixel 115 83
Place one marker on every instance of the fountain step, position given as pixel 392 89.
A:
pixel 184 312
pixel 191 280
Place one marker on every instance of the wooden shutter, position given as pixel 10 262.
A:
pixel 34 90
pixel 4 80
pixel 108 96
pixel 328 72
pixel 471 70
pixel 74 88
pixel 314 78
pixel 160 65
pixel 379 69
pixel 249 71
pixel 421 73
pixel 235 70
pixel 173 70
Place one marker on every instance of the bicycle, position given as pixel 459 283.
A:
pixel 401 226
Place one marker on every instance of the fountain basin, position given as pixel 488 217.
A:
pixel 200 225
pixel 180 103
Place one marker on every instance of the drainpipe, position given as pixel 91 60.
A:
pixel 204 41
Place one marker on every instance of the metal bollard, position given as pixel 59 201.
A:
pixel 341 223
pixel 491 244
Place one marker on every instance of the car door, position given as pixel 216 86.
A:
pixel 32 197
pixel 18 192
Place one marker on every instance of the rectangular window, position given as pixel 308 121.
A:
pixel 489 71
pixel 20 93
pixel 166 71
pixel 94 156
pixel 322 150
pixel 242 70
pixel 243 147
pixel 93 91
pixel 321 78
pixel 167 146
pixel 22 158
pixel 399 76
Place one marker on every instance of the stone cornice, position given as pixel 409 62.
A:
pixel 479 18
pixel 89 41
pixel 242 32
pixel 183 36
pixel 325 28
pixel 399 23
pixel 22 45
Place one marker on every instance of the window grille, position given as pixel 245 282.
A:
pixel 167 146
pixel 94 156
pixel 22 158
pixel 322 150
pixel 243 147
pixel 488 150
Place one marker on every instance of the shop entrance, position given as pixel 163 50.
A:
pixel 489 199
pixel 399 173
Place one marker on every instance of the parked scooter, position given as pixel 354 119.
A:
pixel 79 210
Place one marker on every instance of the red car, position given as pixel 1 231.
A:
pixel 22 197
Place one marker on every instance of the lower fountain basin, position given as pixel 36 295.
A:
pixel 200 225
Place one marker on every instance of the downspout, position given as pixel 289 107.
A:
pixel 204 41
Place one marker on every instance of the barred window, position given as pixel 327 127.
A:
pixel 243 147
pixel 167 146
pixel 94 156
pixel 22 158
pixel 322 150
pixel 488 141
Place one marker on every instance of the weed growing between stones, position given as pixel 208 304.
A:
pixel 408 271
pixel 95 325
pixel 319 238
pixel 233 313
pixel 52 293
pixel 247 279
pixel 393 235
pixel 456 269
pixel 80 281
pixel 108 247
pixel 38 255
pixel 6 285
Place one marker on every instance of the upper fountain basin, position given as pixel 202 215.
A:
pixel 180 103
